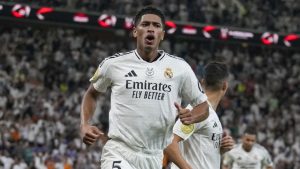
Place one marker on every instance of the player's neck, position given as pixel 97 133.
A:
pixel 148 56
pixel 214 99
pixel 245 149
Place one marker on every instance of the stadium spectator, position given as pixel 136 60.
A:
pixel 248 154
pixel 31 95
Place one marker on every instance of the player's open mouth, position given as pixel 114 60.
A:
pixel 150 39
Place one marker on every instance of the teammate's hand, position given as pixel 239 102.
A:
pixel 89 134
pixel 227 143
pixel 185 115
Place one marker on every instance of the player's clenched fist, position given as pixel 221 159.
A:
pixel 193 114
pixel 185 115
pixel 89 134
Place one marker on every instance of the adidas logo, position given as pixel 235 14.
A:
pixel 215 125
pixel 131 74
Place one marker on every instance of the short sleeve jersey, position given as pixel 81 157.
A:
pixel 238 158
pixel 142 110
pixel 201 145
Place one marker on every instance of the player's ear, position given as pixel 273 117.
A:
pixel 225 86
pixel 134 32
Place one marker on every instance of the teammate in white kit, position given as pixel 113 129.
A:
pixel 145 84
pixel 204 142
pixel 248 155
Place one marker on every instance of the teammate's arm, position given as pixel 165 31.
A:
pixel 89 133
pixel 174 155
pixel 227 143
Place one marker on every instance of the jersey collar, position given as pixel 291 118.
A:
pixel 161 54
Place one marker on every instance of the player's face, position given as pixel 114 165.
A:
pixel 248 141
pixel 149 32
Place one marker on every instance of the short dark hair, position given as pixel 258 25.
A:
pixel 250 130
pixel 149 10
pixel 215 73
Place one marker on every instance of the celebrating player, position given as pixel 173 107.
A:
pixel 145 83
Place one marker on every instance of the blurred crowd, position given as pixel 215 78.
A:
pixel 273 15
pixel 44 73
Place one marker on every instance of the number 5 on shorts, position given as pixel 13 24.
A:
pixel 115 165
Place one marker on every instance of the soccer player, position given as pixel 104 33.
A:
pixel 248 154
pixel 200 145
pixel 145 84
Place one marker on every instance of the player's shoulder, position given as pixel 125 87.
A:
pixel 237 148
pixel 116 57
pixel 178 61
pixel 212 117
pixel 128 53
pixel 260 148
pixel 234 151
pixel 174 58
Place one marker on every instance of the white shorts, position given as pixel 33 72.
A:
pixel 117 155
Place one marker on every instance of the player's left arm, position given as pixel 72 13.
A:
pixel 174 155
pixel 193 93
pixel 187 116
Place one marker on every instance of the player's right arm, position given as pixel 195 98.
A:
pixel 174 155
pixel 99 83
pixel 89 133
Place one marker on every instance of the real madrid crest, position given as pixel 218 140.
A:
pixel 187 129
pixel 168 73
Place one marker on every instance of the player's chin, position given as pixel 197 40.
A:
pixel 148 48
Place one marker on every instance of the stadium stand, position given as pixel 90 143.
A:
pixel 44 72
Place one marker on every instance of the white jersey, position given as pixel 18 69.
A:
pixel 201 145
pixel 143 94
pixel 238 158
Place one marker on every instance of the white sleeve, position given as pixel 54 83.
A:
pixel 192 91
pixel 185 131
pixel 101 79
pixel 182 130
pixel 267 161
pixel 227 159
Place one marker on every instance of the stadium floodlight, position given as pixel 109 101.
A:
pixel 189 30
pixel 20 11
pixel 171 27
pixel 106 21
pixel 40 14
pixel 80 17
